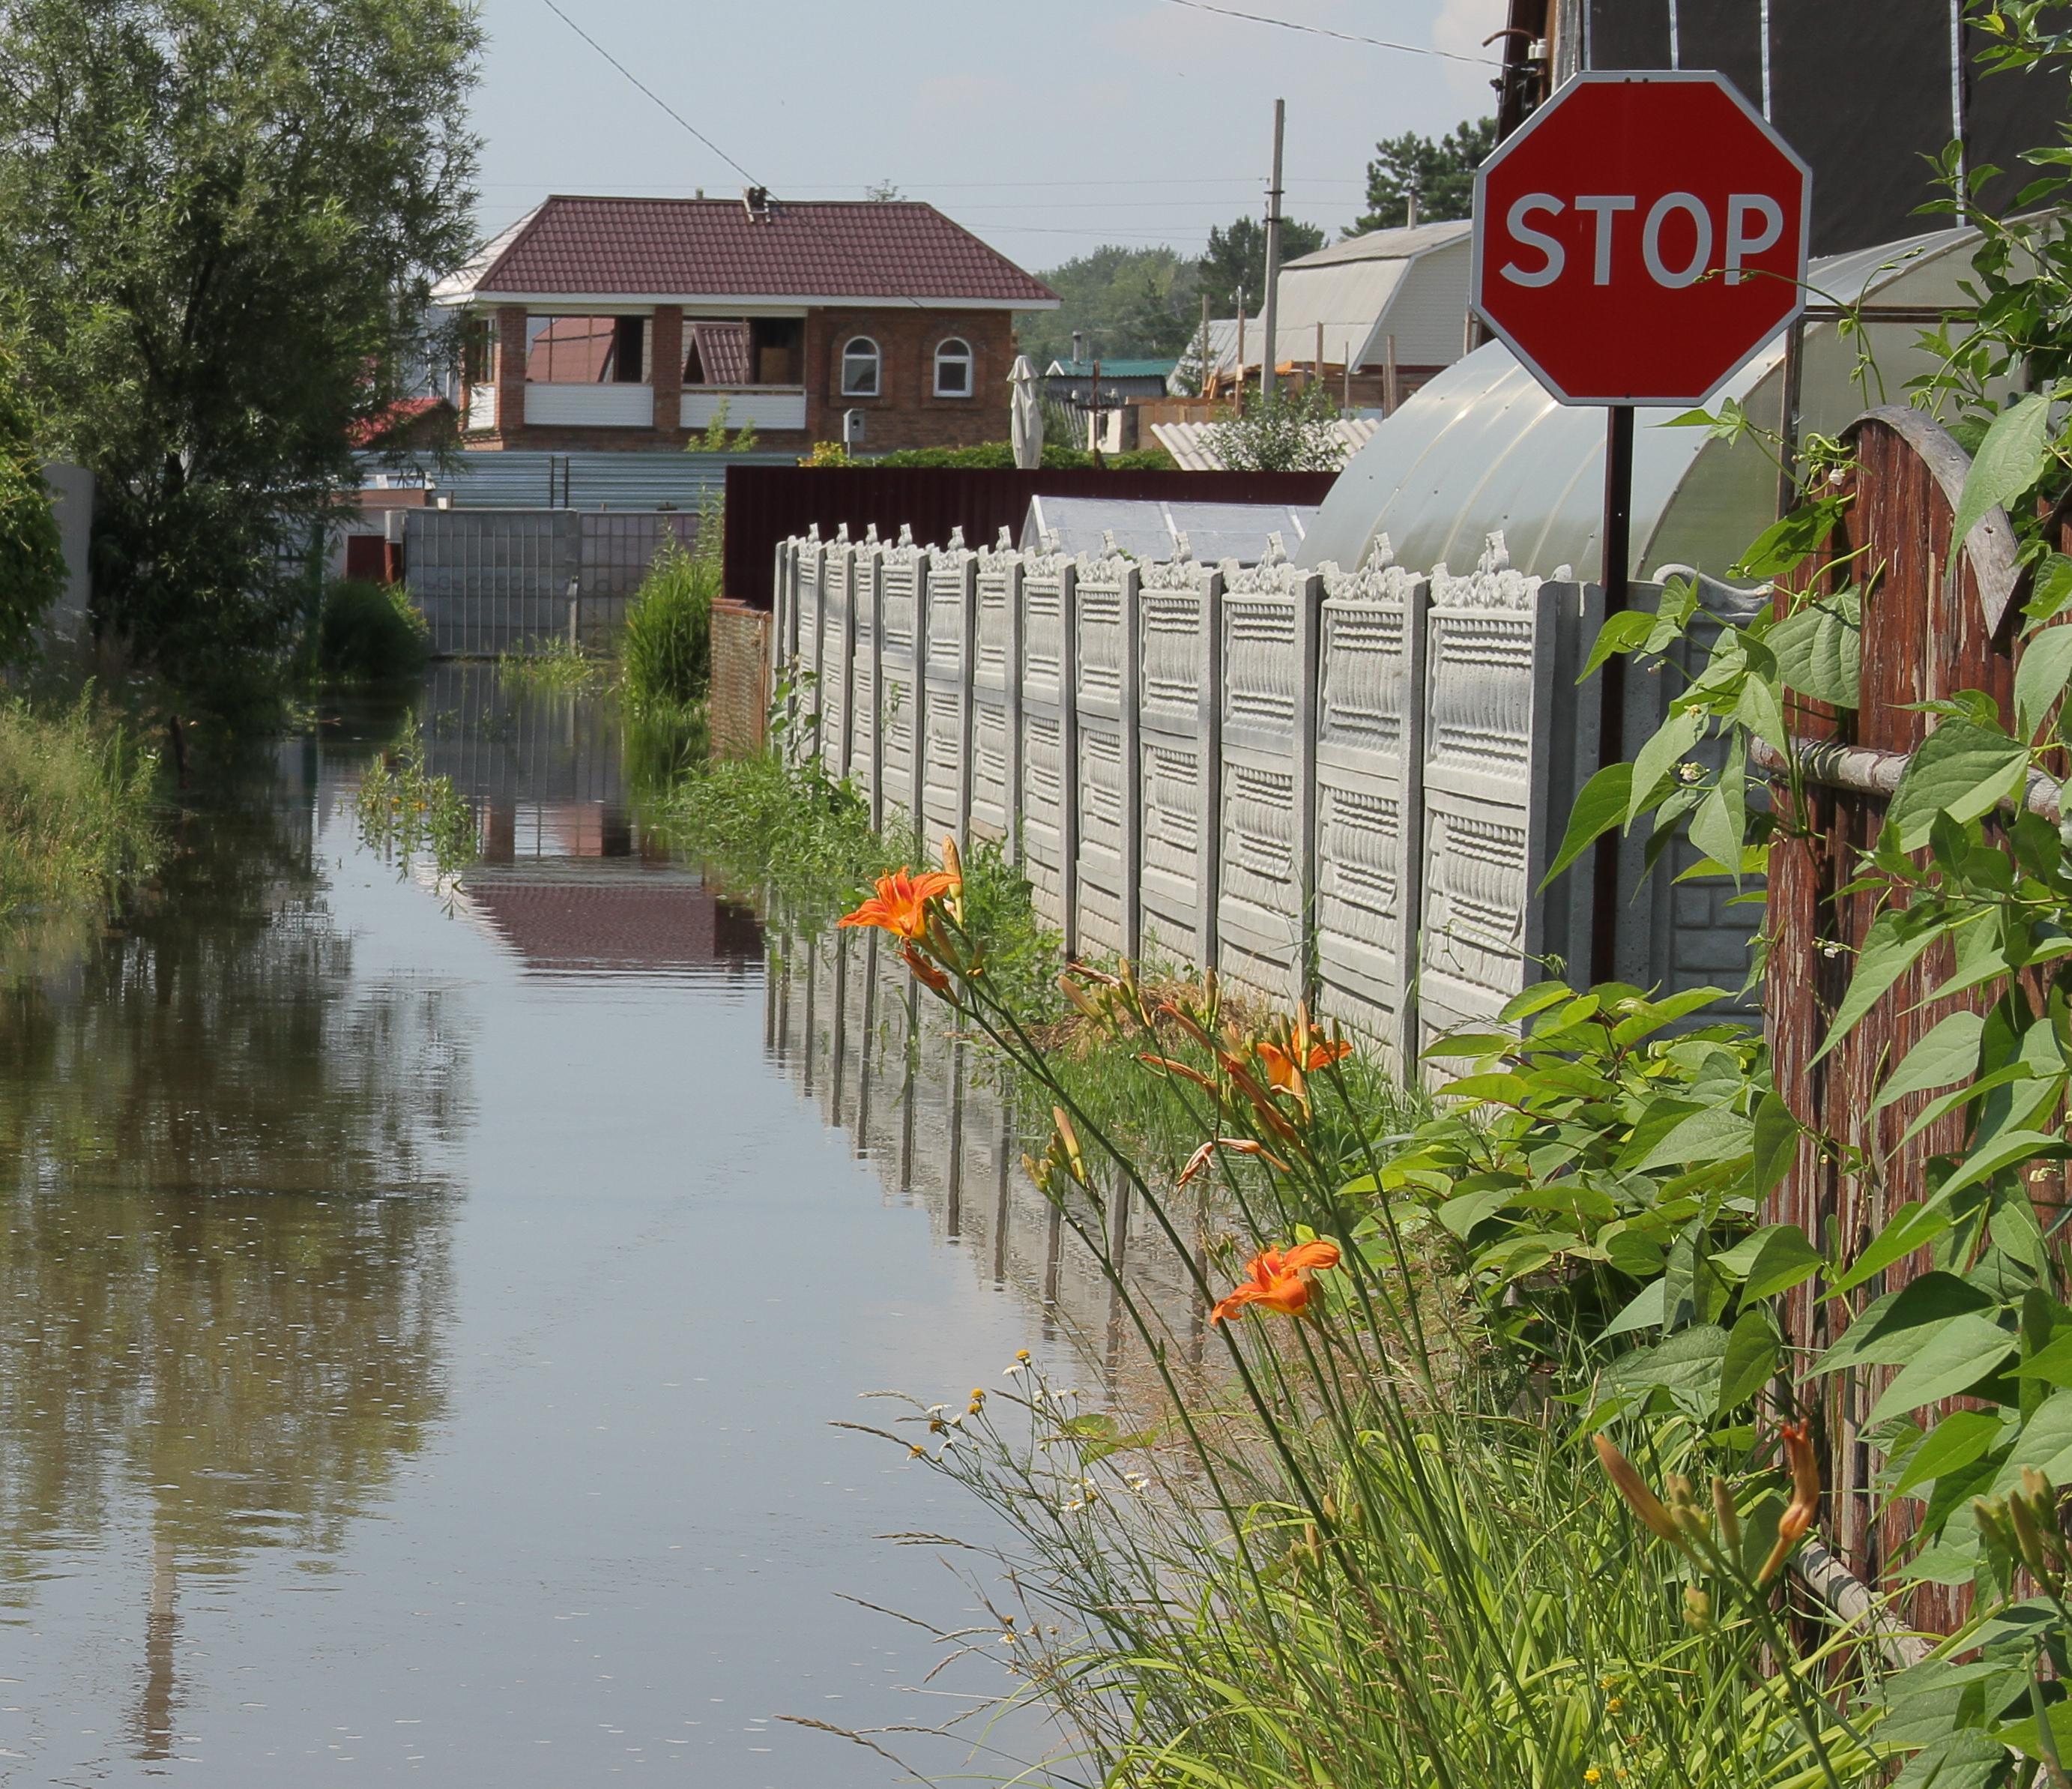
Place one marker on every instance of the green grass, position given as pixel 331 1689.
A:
pixel 665 650
pixel 558 667
pixel 76 810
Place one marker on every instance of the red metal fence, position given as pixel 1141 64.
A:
pixel 766 504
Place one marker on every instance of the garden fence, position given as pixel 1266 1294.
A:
pixel 1345 785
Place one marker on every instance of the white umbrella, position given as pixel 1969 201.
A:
pixel 1026 427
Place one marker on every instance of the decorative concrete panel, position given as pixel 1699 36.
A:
pixel 1267 807
pixel 1177 606
pixel 996 693
pixel 1104 837
pixel 1043 811
pixel 946 758
pixel 902 578
pixel 1105 748
pixel 865 710
pixel 837 593
pixel 1369 831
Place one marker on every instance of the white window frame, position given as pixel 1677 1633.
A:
pixel 961 357
pixel 849 388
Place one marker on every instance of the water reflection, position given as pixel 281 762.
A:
pixel 927 1108
pixel 226 1273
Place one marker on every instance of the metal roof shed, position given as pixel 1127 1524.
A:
pixel 1411 284
pixel 1483 447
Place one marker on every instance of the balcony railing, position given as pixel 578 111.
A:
pixel 766 406
pixel 591 406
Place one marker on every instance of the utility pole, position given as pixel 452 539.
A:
pixel 1271 320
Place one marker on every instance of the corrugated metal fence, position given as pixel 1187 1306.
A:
pixel 494 581
pixel 1341 786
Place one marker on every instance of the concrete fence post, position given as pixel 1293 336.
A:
pixel 966 674
pixel 1211 687
pixel 877 702
pixel 1131 706
pixel 1017 645
pixel 917 750
pixel 1308 626
pixel 848 663
pixel 1068 742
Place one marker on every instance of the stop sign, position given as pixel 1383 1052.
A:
pixel 1641 237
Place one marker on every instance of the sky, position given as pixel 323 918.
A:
pixel 1047 128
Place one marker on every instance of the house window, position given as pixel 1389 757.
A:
pixel 586 351
pixel 953 368
pixel 860 368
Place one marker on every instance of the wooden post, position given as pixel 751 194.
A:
pixel 1392 393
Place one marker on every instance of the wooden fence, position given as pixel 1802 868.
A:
pixel 1935 621
pixel 1345 785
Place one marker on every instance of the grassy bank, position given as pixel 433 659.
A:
pixel 76 819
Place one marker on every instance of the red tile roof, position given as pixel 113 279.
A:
pixel 713 248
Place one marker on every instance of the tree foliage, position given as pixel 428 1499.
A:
pixel 32 569
pixel 1441 173
pixel 1127 304
pixel 221 219
pixel 1234 260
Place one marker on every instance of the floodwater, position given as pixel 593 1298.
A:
pixel 422 1318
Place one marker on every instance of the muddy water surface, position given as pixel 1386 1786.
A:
pixel 421 1319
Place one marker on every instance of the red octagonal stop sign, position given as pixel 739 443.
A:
pixel 1641 238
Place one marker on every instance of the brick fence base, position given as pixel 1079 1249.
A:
pixel 739 705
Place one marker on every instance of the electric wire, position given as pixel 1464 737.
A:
pixel 1343 37
pixel 651 92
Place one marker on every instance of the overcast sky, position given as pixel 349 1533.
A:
pixel 1046 128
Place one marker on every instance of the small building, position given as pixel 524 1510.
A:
pixel 1120 380
pixel 633 323
pixel 1391 297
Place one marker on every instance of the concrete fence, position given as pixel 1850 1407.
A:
pixel 1345 785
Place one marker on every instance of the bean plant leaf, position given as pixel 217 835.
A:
pixel 1961 769
pixel 1819 649
pixel 1626 632
pixel 1751 1358
pixel 1602 805
pixel 1959 1440
pixel 1772 1260
pixel 1948 1053
pixel 1911 1227
pixel 1894 1329
pixel 2044 1442
pixel 1670 745
pixel 2041 677
pixel 2010 460
pixel 1960 1354
pixel 1643 1311
pixel 1896 940
pixel 1776 1143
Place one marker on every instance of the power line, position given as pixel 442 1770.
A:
pixel 651 92
pixel 1343 37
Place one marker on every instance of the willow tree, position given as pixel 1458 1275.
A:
pixel 219 222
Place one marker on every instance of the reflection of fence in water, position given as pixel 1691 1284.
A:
pixel 877 1054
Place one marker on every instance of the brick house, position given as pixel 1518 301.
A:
pixel 629 322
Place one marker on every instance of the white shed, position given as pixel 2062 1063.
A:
pixel 1411 284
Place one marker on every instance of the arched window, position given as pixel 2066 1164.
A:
pixel 860 368
pixel 953 368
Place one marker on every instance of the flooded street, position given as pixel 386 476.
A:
pixel 422 1321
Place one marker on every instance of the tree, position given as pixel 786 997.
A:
pixel 1236 261
pixel 219 222
pixel 32 567
pixel 1441 173
pixel 1125 303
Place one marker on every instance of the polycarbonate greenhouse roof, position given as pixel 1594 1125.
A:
pixel 1482 446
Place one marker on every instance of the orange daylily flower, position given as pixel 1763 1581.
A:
pixel 1805 1504
pixel 1279 1279
pixel 1299 1051
pixel 901 904
pixel 1239 1146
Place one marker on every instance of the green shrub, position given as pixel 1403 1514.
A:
pixel 370 633
pixel 665 654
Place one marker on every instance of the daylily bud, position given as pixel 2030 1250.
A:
pixel 1697 1607
pixel 1729 1517
pixel 1634 1489
pixel 2028 1542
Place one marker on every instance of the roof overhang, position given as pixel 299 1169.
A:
pixel 737 303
